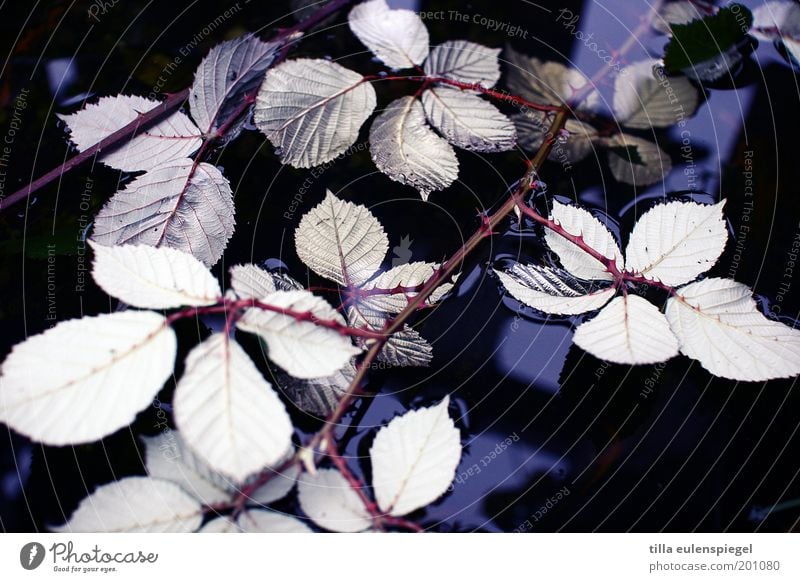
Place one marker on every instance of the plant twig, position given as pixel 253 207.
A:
pixel 145 120
pixel 443 274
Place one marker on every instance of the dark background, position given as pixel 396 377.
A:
pixel 645 448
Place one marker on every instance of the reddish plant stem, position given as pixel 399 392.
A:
pixel 380 519
pixel 141 123
pixel 427 81
pixel 446 271
pixel 610 265
pixel 234 308
pixel 147 119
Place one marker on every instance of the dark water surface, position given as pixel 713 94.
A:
pixel 554 438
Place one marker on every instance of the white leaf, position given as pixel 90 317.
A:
pixel 629 330
pixel 675 242
pixel 227 412
pixel 543 289
pixel 679 12
pixel 574 143
pixel 468 121
pixel 155 278
pixel 256 521
pixel 312 110
pixel 331 503
pixel 229 72
pixel 317 396
pixel 407 275
pixel 414 459
pixel 172 138
pixel 136 505
pixel 772 20
pixel 302 348
pixel 644 100
pixel 397 37
pixel 579 222
pixel 408 151
pixel 341 241
pixel 547 83
pixel 467 62
pixel 717 322
pixel 168 457
pixel 779 22
pixel 277 487
pixel 646 166
pixel 174 207
pixel 406 347
pixel 261 521
pixel 251 282
pixel 86 378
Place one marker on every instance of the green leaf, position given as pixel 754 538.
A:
pixel 704 39
pixel 630 153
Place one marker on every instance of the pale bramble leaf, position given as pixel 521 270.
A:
pixel 251 282
pixel 399 38
pixel 331 503
pixel 574 143
pixel 579 222
pixel 256 521
pixel 408 151
pixel 546 83
pixel 153 278
pixel 262 521
pixel 176 205
pixel 167 457
pixel 406 347
pixel 341 241
pixel 779 22
pixel 136 505
pixel 644 97
pixel 629 330
pixel 317 396
pixel 227 413
pixel 465 62
pixel 468 121
pixel 718 324
pixel 173 138
pixel 414 459
pixel 278 485
pixel 636 161
pixel 86 378
pixel 231 71
pixel 675 242
pixel 302 348
pixel 284 282
pixel 551 292
pixel 311 110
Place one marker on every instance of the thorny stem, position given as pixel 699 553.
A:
pixel 149 118
pixel 325 434
pixel 610 264
pixel 234 309
pixel 427 81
